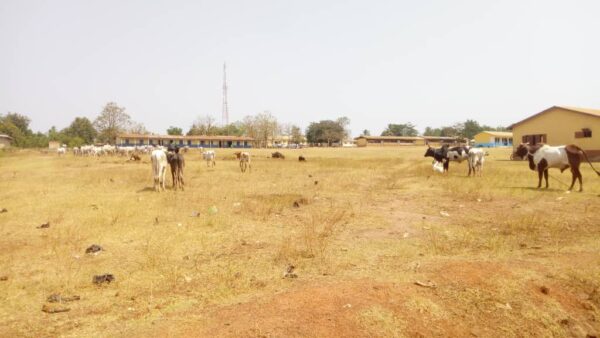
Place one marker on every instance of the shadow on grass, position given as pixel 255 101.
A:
pixel 146 189
pixel 536 189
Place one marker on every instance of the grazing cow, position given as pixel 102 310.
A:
pixel 541 157
pixel 278 155
pixel 135 157
pixel 177 162
pixel 61 151
pixel 159 168
pixel 244 158
pixel 301 158
pixel 209 156
pixel 475 161
pixel 439 155
pixel 445 154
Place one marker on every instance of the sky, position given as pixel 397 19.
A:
pixel 431 63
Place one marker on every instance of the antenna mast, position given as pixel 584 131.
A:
pixel 225 114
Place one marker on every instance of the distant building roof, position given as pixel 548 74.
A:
pixel 498 133
pixel 408 138
pixel 586 111
pixel 390 138
pixel 184 137
pixel 5 136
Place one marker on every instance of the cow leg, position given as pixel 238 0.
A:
pixel 540 174
pixel 576 176
pixel 182 184
pixel 573 178
pixel 446 165
pixel 546 177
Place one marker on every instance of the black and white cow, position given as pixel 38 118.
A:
pixel 445 154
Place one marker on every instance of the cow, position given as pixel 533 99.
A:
pixel 176 162
pixel 278 155
pixel 542 157
pixel 209 156
pixel 244 158
pixel 135 157
pixel 445 154
pixel 475 161
pixel 438 155
pixel 61 151
pixel 159 168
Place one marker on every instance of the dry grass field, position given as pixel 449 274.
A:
pixel 494 256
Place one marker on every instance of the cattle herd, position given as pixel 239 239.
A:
pixel 442 157
pixel 541 157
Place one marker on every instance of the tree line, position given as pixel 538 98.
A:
pixel 114 120
pixel 467 130
pixel 262 127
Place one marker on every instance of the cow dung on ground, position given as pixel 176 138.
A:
pixel 58 298
pixel 3 210
pixel 44 226
pixel 289 272
pixel 301 158
pixel 54 309
pixel 94 248
pixel 105 278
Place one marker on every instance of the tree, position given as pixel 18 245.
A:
pixel 344 122
pixel 296 135
pixel 112 121
pixel 137 128
pixel 432 131
pixel 174 131
pixel 204 125
pixel 20 121
pixel 470 129
pixel 54 134
pixel 448 132
pixel 366 132
pixel 326 131
pixel 262 127
pixel 406 129
pixel 232 129
pixel 81 128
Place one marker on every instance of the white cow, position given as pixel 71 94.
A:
pixel 209 156
pixel 61 151
pixel 476 159
pixel 159 168
pixel 244 158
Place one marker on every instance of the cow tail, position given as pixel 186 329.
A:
pixel 588 161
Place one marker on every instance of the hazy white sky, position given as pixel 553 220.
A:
pixel 428 62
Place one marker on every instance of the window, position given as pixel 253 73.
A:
pixel 189 142
pixel 587 132
pixel 534 139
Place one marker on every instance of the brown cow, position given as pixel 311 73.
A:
pixel 176 162
pixel 542 157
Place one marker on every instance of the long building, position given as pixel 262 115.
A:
pixel 378 141
pixel 200 141
pixel 560 125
